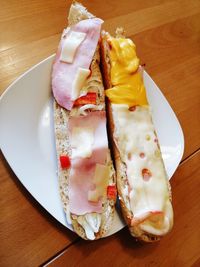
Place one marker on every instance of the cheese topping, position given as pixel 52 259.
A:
pixel 72 42
pixel 159 224
pixel 78 83
pixel 100 180
pixel 82 139
pixel 136 140
pixel 134 135
pixel 128 87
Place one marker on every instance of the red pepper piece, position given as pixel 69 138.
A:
pixel 65 161
pixel 90 98
pixel 111 192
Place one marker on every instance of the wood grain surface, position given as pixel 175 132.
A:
pixel 167 35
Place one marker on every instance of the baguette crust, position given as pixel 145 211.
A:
pixel 119 164
pixel 61 117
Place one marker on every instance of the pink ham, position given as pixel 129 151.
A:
pixel 82 169
pixel 64 73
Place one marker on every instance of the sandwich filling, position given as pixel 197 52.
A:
pixel 73 59
pixel 134 135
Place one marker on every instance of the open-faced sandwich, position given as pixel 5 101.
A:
pixel 85 170
pixel 142 183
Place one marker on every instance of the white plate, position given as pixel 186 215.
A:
pixel 27 135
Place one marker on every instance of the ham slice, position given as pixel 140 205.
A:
pixel 64 73
pixel 83 169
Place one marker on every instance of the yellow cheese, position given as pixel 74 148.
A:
pixel 82 140
pixel 70 45
pixel 127 83
pixel 132 93
pixel 123 58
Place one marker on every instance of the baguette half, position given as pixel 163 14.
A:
pixel 83 225
pixel 121 168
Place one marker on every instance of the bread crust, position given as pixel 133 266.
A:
pixel 119 164
pixel 61 116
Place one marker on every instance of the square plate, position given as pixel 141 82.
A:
pixel 27 135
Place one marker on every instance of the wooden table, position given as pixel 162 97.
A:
pixel 167 35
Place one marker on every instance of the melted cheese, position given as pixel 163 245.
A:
pixel 78 82
pixel 158 224
pixel 134 134
pixel 127 83
pixel 72 42
pixel 82 139
pixel 130 94
pixel 100 180
pixel 123 58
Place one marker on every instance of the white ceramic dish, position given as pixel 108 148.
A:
pixel 27 135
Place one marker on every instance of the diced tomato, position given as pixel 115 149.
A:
pixel 111 192
pixel 90 98
pixel 65 161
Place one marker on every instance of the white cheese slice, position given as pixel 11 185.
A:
pixel 82 140
pixel 134 136
pixel 71 43
pixel 78 82
pixel 100 181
